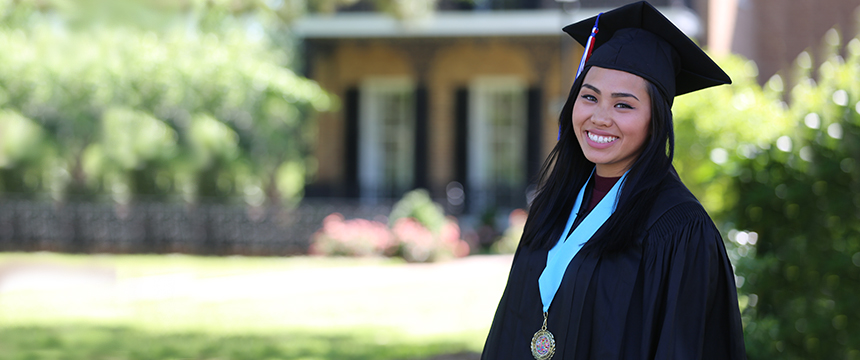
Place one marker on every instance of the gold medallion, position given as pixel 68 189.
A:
pixel 543 343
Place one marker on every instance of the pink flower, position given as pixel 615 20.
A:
pixel 451 239
pixel 518 218
pixel 408 238
pixel 416 241
pixel 357 237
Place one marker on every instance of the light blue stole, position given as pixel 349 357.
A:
pixel 563 252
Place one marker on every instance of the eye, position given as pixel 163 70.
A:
pixel 588 97
pixel 624 106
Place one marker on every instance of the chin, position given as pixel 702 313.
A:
pixel 597 159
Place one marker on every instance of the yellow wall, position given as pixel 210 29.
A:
pixel 453 63
pixel 345 67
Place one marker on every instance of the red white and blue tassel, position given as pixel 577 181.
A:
pixel 589 47
pixel 586 53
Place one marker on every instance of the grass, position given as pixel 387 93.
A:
pixel 103 342
pixel 187 307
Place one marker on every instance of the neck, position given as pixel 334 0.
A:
pixel 609 171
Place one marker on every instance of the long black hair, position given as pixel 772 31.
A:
pixel 566 170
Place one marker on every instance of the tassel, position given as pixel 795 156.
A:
pixel 586 53
pixel 589 47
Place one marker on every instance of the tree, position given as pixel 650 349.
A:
pixel 195 103
pixel 798 248
pixel 715 127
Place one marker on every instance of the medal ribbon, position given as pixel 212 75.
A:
pixel 563 252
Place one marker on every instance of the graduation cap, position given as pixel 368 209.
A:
pixel 638 39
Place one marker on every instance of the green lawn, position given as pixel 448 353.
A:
pixel 84 341
pixel 185 307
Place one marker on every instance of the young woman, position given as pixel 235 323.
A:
pixel 618 260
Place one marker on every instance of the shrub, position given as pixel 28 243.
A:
pixel 419 244
pixel 797 250
pixel 356 237
pixel 510 239
pixel 715 126
pixel 416 242
pixel 418 205
pixel 419 232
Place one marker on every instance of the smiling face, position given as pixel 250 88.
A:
pixel 611 119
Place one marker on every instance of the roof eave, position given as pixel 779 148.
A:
pixel 464 24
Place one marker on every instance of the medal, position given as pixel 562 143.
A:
pixel 543 343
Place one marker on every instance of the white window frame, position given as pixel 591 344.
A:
pixel 371 137
pixel 480 176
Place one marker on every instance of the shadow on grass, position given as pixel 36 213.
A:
pixel 95 342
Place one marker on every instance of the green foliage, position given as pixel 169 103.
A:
pixel 510 239
pixel 418 205
pixel 784 181
pixel 422 230
pixel 187 110
pixel 716 126
pixel 798 258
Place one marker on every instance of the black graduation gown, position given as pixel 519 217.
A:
pixel 671 295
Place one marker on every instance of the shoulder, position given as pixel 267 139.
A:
pixel 677 210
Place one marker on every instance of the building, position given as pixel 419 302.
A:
pixel 463 103
pixel 774 32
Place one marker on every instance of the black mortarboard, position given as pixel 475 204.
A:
pixel 638 39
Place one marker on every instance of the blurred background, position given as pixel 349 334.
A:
pixel 346 179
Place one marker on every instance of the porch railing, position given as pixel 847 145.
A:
pixel 28 225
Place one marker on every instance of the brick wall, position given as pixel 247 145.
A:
pixel 774 32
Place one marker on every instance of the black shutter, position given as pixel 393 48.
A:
pixel 533 131
pixel 461 143
pixel 421 116
pixel 461 135
pixel 351 136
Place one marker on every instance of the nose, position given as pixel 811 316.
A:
pixel 601 117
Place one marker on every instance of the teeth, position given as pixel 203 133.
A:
pixel 601 139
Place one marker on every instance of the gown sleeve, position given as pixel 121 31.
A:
pixel 689 299
pixel 507 334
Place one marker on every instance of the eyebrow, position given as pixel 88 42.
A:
pixel 615 94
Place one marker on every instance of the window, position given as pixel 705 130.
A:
pixel 387 138
pixel 497 131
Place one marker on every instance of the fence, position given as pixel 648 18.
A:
pixel 28 225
